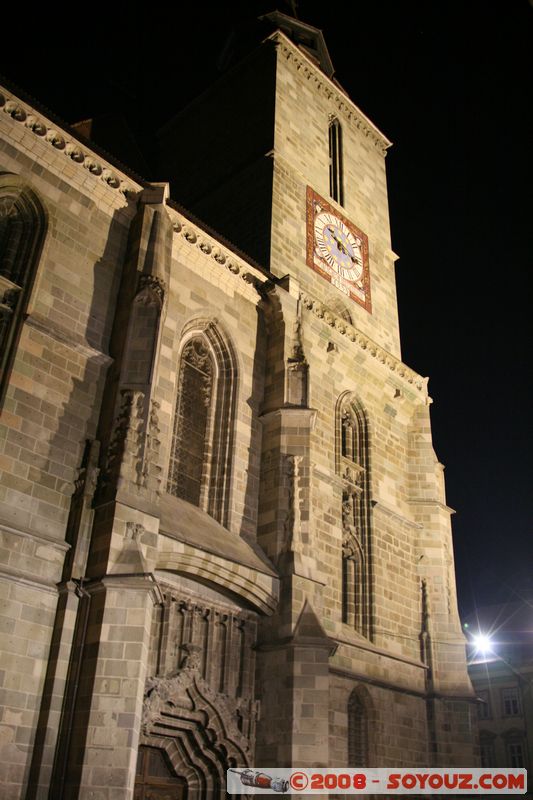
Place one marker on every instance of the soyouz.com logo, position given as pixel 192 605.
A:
pixel 254 780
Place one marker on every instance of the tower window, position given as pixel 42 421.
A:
pixel 335 161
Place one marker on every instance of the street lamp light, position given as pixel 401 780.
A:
pixel 482 643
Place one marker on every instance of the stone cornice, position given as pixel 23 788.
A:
pixel 38 538
pixel 66 143
pixel 370 647
pixel 195 237
pixel 52 330
pixel 364 342
pixel 34 582
pixel 378 505
pixel 424 501
pixel 345 106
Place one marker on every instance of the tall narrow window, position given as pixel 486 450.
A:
pixel 510 702
pixel 484 709
pixel 200 456
pixel 352 466
pixel 335 161
pixel 515 754
pixel 189 455
pixel 22 225
pixel 486 749
pixel 357 732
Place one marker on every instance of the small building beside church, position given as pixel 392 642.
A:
pixel 500 665
pixel 225 537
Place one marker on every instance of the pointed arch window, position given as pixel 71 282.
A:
pixel 200 457
pixel 189 457
pixel 352 466
pixel 357 732
pixel 335 161
pixel 22 227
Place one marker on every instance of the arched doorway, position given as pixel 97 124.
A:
pixel 155 778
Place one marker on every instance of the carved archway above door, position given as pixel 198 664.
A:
pixel 196 727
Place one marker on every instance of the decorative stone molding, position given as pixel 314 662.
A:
pixel 8 300
pixel 365 343
pixel 205 681
pixel 87 480
pixel 134 531
pixel 151 283
pixel 71 148
pixel 198 238
pixel 344 105
pixel 292 527
pixel 165 698
pixel 152 469
pixel 124 458
pixel 352 473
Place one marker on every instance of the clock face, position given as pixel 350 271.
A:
pixel 337 250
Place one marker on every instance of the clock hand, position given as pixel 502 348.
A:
pixel 341 246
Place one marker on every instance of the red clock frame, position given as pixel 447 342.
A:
pixel 358 291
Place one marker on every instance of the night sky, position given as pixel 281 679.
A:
pixel 448 83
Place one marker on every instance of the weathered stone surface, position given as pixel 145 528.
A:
pixel 303 610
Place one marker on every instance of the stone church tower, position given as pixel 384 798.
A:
pixel 225 540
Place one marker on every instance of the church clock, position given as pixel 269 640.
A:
pixel 337 250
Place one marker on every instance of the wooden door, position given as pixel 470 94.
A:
pixel 156 779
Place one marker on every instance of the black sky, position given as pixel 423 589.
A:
pixel 448 83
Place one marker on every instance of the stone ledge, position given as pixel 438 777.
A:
pixel 40 538
pixel 66 338
pixel 364 342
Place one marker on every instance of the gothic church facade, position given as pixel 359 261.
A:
pixel 225 540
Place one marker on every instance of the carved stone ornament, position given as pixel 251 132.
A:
pixel 134 531
pixel 8 300
pixel 352 473
pixel 364 343
pixel 293 518
pixel 210 247
pixel 124 449
pixel 70 148
pixel 349 546
pixel 192 659
pixel 151 283
pixel 178 702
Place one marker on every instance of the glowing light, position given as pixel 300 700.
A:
pixel 482 643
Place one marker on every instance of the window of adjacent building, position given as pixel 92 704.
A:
pixel 335 161
pixel 510 702
pixel 487 753
pixel 484 710
pixel 357 732
pixel 515 754
pixel 200 456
